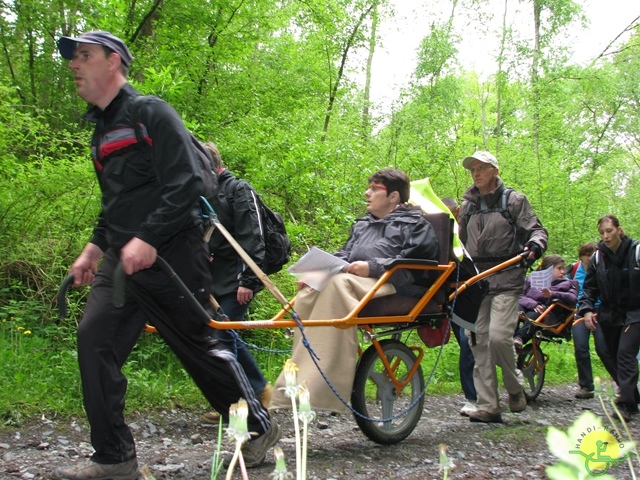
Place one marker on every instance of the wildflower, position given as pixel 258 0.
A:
pixel 291 391
pixel 280 472
pixel 445 463
pixel 291 379
pixel 238 429
pixel 27 332
pixel 20 328
pixel 305 413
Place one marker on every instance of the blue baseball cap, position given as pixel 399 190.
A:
pixel 68 45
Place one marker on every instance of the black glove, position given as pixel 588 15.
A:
pixel 535 248
pixel 537 252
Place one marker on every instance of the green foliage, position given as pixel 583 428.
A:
pixel 272 84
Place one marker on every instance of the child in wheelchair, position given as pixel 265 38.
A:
pixel 535 302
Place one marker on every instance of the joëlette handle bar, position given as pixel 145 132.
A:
pixel 61 297
pixel 519 260
pixel 119 284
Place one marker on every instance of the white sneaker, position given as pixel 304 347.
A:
pixel 469 407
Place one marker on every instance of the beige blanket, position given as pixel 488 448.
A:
pixel 336 347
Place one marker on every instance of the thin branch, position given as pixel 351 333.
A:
pixel 629 27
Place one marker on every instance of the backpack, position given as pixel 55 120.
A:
pixel 205 161
pixel 502 207
pixel 574 269
pixel 277 246
pixel 276 243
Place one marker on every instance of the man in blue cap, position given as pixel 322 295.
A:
pixel 150 186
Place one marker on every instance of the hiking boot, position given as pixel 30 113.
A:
pixel 467 409
pixel 584 394
pixel 211 418
pixel 89 470
pixel 624 412
pixel 255 451
pixel 517 402
pixel 485 417
pixel 265 396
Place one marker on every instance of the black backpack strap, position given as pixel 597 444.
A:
pixel 503 208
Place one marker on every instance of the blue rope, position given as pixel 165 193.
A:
pixel 315 357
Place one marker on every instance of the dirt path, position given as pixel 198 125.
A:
pixel 176 446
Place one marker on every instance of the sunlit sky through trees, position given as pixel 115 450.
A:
pixel 400 36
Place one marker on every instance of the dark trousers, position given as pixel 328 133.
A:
pixel 230 340
pixel 581 334
pixel 623 343
pixel 106 336
pixel 466 363
pixel 528 330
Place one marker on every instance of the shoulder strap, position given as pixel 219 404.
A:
pixel 504 204
pixel 136 105
pixel 574 269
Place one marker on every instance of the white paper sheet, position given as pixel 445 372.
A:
pixel 541 278
pixel 316 267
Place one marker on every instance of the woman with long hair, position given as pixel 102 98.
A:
pixel 613 275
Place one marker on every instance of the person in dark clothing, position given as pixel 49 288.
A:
pixel 581 333
pixel 234 283
pixel 533 301
pixel 613 276
pixel 150 193
pixel 466 361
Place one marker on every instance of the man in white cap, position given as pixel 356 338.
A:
pixel 150 185
pixel 496 223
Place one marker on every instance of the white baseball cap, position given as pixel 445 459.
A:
pixel 481 156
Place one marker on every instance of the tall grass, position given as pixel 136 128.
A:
pixel 39 371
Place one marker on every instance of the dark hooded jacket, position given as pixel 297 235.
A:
pixel 238 211
pixel 614 277
pixel 403 233
pixel 130 173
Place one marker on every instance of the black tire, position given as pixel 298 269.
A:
pixel 375 396
pixel 533 380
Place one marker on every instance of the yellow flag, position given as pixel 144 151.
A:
pixel 422 194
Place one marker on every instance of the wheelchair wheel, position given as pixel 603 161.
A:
pixel 375 395
pixel 533 379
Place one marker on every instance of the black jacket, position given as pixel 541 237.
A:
pixel 149 190
pixel 237 210
pixel 615 279
pixel 403 233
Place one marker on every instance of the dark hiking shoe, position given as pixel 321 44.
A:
pixel 584 394
pixel 623 412
pixel 485 417
pixel 89 470
pixel 255 451
pixel 517 402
